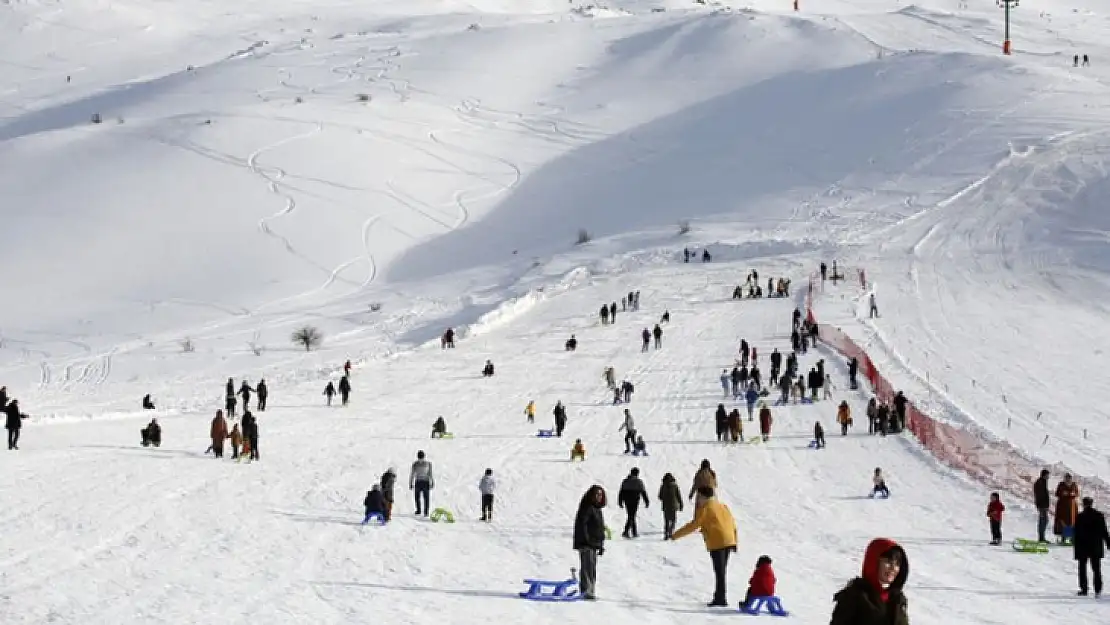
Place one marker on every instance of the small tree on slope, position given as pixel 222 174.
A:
pixel 308 337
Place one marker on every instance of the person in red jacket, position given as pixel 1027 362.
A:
pixel 762 582
pixel 994 513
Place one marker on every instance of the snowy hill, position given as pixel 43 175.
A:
pixel 385 170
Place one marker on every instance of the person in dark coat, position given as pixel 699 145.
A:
pixel 487 371
pixel 560 413
pixel 876 597
pixel 389 478
pixel 722 422
pixel 329 392
pixel 250 431
pixel 818 435
pixel 1043 502
pixel 3 397
pixel 657 332
pixel 148 403
pixel 218 434
pixel 1091 538
pixel 853 371
pixel 152 434
pixel 13 422
pixel 245 392
pixel 230 389
pixel 374 503
pixel 229 405
pixel 670 499
pixel 263 393
pixel 632 490
pixel 589 538
pixel 345 390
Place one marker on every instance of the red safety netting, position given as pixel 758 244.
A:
pixel 982 455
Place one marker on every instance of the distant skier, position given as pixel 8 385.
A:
pixel 631 492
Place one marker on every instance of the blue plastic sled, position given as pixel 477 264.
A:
pixel 545 433
pixel 374 516
pixel 549 590
pixel 773 606
pixel 813 444
pixel 806 400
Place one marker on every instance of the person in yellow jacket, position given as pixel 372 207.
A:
pixel 530 411
pixel 844 417
pixel 718 530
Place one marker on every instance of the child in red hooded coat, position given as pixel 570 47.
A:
pixel 994 512
pixel 762 582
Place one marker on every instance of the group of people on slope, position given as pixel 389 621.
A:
pixel 1084 529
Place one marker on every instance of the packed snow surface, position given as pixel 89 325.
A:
pixel 384 170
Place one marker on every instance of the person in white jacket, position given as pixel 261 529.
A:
pixel 487 485
pixel 422 482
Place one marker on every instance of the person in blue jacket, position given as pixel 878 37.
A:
pixel 751 397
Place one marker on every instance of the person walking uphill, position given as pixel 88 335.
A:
pixel 13 422
pixel 670 499
pixel 421 481
pixel 1043 502
pixel 389 479
pixel 1090 538
pixel 487 486
pixel 876 597
pixel 250 432
pixel 718 530
pixel 589 538
pixel 632 490
pixel 706 477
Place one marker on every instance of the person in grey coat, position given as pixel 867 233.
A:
pixel 487 485
pixel 422 481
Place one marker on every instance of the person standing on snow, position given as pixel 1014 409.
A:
pixel 629 428
pixel 646 340
pixel 218 433
pixel 721 417
pixel 632 490
pixel 250 431
pixel 13 422
pixel 1043 502
pixel 530 411
pixel 245 392
pixel 751 397
pixel 876 596
pixel 329 391
pixel 818 435
pixel 345 390
pixel 389 479
pixel 657 332
pixel 560 413
pixel 604 314
pixel 765 421
pixel 1090 537
pixel 263 393
pixel 486 486
pixel 718 529
pixel 236 437
pixel 726 380
pixel 421 481
pixel 844 417
pixel 874 307
pixel 995 508
pixel 1067 496
pixel 613 312
pixel 589 538
pixel 670 499
pixel 735 426
pixel 706 477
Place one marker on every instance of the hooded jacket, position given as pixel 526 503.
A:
pixel 704 477
pixel 864 601
pixel 589 523
pixel 374 501
pixel 670 497
pixel 218 431
pixel 718 528
pixel 762 581
pixel 389 478
pixel 632 490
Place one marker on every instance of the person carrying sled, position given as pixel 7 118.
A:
pixel 876 596
pixel 589 539
pixel 631 492
pixel 218 434
pixel 844 417
pixel 374 504
pixel 718 530
pixel 762 581
pixel 670 500
pixel 439 428
pixel 329 391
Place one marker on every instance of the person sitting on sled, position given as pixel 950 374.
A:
pixel 374 503
pixel 880 484
pixel 762 582
pixel 578 451
pixel 439 428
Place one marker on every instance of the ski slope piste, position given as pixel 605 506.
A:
pixel 967 447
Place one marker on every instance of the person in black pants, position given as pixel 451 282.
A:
pixel 250 432
pixel 1090 539
pixel 589 538
pixel 421 481
pixel 1043 503
pixel 631 492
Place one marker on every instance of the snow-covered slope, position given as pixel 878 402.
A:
pixel 384 170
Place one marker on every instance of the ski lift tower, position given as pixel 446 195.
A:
pixel 1005 5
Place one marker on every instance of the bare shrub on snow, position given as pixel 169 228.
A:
pixel 308 337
